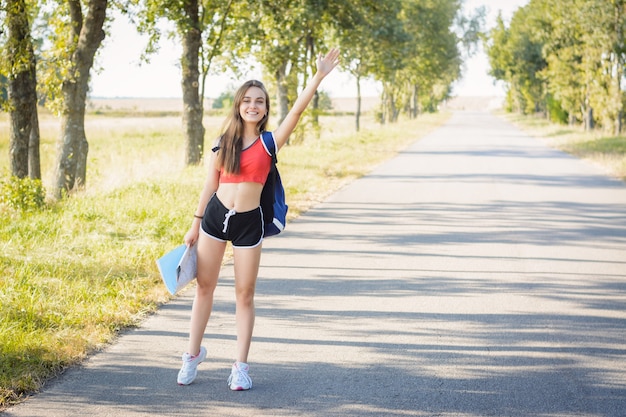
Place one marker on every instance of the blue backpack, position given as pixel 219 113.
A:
pixel 273 202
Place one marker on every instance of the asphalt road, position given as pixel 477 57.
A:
pixel 478 273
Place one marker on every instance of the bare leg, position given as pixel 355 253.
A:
pixel 246 270
pixel 210 255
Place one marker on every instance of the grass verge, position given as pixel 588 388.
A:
pixel 76 272
pixel 604 151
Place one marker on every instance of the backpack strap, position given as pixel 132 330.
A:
pixel 269 143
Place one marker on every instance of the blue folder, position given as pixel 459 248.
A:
pixel 178 267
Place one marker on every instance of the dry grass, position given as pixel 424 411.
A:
pixel 122 150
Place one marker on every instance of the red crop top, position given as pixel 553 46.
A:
pixel 254 165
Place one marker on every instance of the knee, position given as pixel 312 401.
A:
pixel 205 287
pixel 245 297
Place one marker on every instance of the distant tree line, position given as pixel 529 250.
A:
pixel 565 59
pixel 414 48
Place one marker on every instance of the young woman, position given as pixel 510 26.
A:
pixel 229 210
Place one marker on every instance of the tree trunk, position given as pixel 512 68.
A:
pixel 571 119
pixel 34 161
pixel 587 113
pixel 315 104
pixel 383 107
pixel 315 117
pixel 192 105
pixel 358 103
pixel 71 167
pixel 22 92
pixel 414 103
pixel 618 95
pixel 283 92
pixel 73 144
pixel 393 110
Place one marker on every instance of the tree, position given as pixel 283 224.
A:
pixel 604 37
pixel 363 34
pixel 420 66
pixel 390 58
pixel 76 34
pixel 201 27
pixel 217 25
pixel 190 31
pixel 565 55
pixel 435 59
pixel 559 31
pixel 290 32
pixel 528 61
pixel 498 53
pixel 515 56
pixel 22 91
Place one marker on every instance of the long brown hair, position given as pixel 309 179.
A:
pixel 231 141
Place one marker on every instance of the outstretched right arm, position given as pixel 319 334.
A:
pixel 325 64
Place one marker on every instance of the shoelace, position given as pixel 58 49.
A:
pixel 241 376
pixel 189 365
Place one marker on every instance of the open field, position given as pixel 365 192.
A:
pixel 77 272
pixel 174 105
pixel 154 132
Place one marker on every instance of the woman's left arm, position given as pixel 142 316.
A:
pixel 325 64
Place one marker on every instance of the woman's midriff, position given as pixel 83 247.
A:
pixel 242 196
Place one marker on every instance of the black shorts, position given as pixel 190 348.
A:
pixel 244 230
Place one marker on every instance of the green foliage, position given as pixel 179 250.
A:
pixel 54 62
pixel 417 73
pixel 16 48
pixel 556 113
pixel 515 56
pixel 3 89
pixel 568 51
pixel 224 101
pixel 22 194
pixel 325 102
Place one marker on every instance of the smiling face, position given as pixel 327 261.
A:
pixel 253 106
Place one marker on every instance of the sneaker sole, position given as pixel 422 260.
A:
pixel 188 383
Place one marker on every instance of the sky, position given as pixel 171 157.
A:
pixel 122 75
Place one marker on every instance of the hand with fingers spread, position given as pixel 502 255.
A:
pixel 325 64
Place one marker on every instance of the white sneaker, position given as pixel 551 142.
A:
pixel 189 370
pixel 239 380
